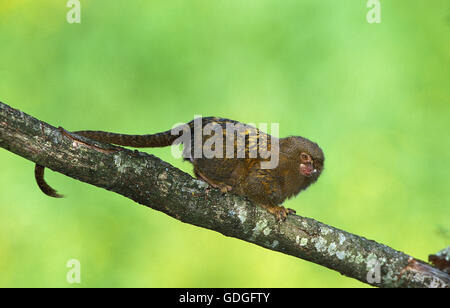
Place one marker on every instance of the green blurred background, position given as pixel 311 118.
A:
pixel 374 96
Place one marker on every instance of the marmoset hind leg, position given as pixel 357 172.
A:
pixel 224 188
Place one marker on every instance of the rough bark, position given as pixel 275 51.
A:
pixel 154 183
pixel 441 260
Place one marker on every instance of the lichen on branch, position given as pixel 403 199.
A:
pixel 154 183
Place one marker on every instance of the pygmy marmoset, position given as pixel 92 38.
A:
pixel 237 162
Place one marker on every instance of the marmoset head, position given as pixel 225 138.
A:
pixel 306 153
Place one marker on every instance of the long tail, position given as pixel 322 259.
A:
pixel 136 141
pixel 45 188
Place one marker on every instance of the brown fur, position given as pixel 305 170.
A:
pixel 268 188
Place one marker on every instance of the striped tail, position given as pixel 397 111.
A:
pixel 45 188
pixel 136 141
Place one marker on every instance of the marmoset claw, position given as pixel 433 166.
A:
pixel 280 212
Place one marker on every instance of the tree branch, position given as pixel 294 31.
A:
pixel 154 183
